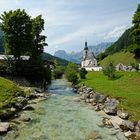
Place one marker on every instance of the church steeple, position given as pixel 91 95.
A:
pixel 86 48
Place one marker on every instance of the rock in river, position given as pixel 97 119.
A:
pixel 4 126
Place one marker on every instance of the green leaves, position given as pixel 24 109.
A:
pixel 71 73
pixel 83 73
pixel 22 35
pixel 110 71
pixel 17 29
pixel 136 32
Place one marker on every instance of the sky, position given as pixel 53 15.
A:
pixel 69 23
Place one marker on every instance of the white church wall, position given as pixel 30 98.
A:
pixel 94 68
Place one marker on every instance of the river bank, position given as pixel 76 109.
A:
pixel 22 103
pixel 62 117
pixel 107 107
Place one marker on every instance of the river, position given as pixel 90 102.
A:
pixel 61 117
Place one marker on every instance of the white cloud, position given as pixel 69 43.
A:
pixel 93 30
pixel 116 32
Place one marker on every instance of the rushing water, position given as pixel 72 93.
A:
pixel 61 117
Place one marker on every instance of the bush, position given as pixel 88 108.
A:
pixel 83 73
pixel 58 72
pixel 71 73
pixel 72 77
pixel 110 71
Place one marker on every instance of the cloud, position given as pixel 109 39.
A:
pixel 116 32
pixel 87 31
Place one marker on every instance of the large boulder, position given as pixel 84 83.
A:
pixel 39 90
pixel 99 98
pixel 128 134
pixel 107 122
pixel 111 106
pixel 21 102
pixel 127 125
pixel 123 115
pixel 32 95
pixel 6 114
pixel 97 108
pixel 4 126
pixel 138 126
pixel 91 100
pixel 87 90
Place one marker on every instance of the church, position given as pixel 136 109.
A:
pixel 89 61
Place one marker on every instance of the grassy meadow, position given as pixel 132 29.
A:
pixel 126 89
pixel 125 58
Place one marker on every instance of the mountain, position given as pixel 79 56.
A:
pixel 120 51
pixel 49 57
pixel 64 55
pixel 77 57
pixel 123 43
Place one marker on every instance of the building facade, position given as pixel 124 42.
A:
pixel 89 61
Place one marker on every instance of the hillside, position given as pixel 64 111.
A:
pixel 77 57
pixel 126 88
pixel 8 92
pixel 123 43
pixel 66 56
pixel 125 58
pixel 49 57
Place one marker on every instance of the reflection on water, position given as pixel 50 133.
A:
pixel 61 118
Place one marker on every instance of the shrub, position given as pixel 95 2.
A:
pixel 110 71
pixel 71 73
pixel 83 73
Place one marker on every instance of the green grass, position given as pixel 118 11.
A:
pixel 125 58
pixel 126 89
pixel 8 92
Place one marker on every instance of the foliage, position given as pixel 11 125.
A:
pixel 101 56
pixel 17 27
pixel 1 40
pixel 71 73
pixel 38 39
pixel 22 36
pixel 47 56
pixel 136 32
pixel 110 71
pixel 83 73
pixel 58 70
pixel 126 89
pixel 135 66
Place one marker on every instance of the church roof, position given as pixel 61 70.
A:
pixel 86 48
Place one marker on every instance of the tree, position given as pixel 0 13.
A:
pixel 83 73
pixel 38 39
pixel 22 36
pixel 71 73
pixel 136 32
pixel 110 71
pixel 58 70
pixel 17 27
